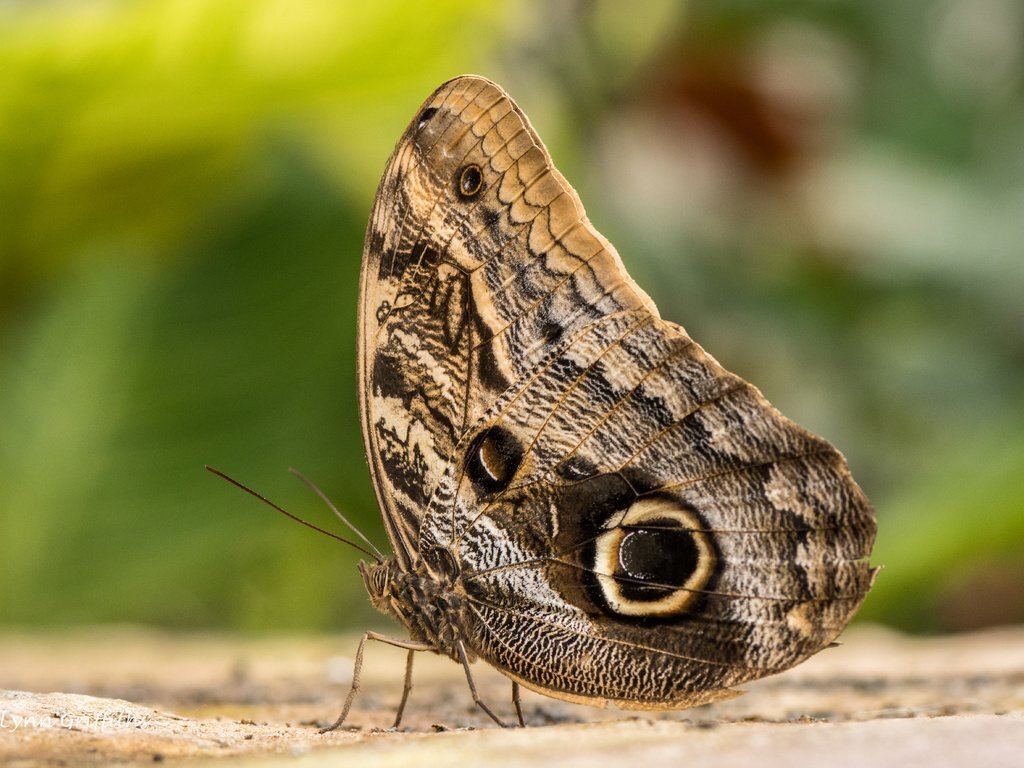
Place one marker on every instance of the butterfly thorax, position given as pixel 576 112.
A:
pixel 423 599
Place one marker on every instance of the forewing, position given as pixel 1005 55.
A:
pixel 478 257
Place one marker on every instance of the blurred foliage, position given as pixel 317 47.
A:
pixel 828 194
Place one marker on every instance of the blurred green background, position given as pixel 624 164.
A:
pixel 828 194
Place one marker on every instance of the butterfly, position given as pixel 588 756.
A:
pixel 574 490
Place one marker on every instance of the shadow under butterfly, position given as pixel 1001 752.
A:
pixel 574 490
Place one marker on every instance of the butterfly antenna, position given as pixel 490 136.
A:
pixel 313 486
pixel 297 519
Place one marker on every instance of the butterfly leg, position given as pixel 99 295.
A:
pixel 518 704
pixel 407 688
pixel 357 669
pixel 472 685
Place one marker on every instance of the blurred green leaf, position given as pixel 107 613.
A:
pixel 827 195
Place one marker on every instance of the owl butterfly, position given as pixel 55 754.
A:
pixel 575 491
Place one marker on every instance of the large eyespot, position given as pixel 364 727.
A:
pixel 469 181
pixel 653 560
pixel 493 459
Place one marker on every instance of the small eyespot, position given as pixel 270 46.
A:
pixel 425 116
pixel 493 459
pixel 552 332
pixel 470 181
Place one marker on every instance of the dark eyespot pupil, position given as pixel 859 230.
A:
pixel 470 180
pixel 663 557
pixel 425 116
pixel 494 459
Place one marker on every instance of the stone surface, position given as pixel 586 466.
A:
pixel 129 695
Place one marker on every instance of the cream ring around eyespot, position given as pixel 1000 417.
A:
pixel 470 181
pixel 607 564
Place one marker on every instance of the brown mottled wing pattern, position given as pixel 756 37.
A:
pixel 459 296
pixel 630 522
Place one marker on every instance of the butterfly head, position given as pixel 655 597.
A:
pixel 378 579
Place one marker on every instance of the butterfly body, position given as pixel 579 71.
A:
pixel 427 604
pixel 575 491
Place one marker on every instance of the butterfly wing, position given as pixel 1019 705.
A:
pixel 465 285
pixel 629 521
pixel 659 533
